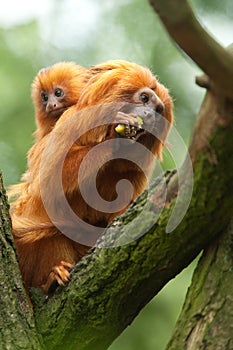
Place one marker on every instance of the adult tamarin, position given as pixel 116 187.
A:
pixel 54 89
pixel 115 94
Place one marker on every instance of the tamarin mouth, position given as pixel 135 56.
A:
pixel 57 112
pixel 132 132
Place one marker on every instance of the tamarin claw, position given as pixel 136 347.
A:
pixel 59 275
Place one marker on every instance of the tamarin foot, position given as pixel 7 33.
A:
pixel 59 275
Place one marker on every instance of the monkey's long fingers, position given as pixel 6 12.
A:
pixel 126 128
pixel 60 274
pixel 128 119
pixel 67 265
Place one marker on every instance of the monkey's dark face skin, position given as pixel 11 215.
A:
pixel 148 98
pixel 149 108
pixel 54 101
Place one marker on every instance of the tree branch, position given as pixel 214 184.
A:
pixel 110 285
pixel 18 330
pixel 193 39
pixel 205 321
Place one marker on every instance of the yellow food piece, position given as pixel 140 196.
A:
pixel 120 129
pixel 140 120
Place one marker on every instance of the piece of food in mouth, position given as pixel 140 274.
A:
pixel 129 131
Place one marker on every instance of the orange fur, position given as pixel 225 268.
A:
pixel 65 75
pixel 42 248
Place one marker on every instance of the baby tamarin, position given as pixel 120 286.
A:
pixel 54 89
pixel 123 93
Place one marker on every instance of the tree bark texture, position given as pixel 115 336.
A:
pixel 186 30
pixel 17 327
pixel 207 316
pixel 110 286
pixel 206 321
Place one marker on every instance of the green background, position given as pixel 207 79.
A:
pixel 35 35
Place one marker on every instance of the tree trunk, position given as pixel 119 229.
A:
pixel 206 321
pixel 110 285
pixel 17 328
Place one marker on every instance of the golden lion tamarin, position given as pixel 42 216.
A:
pixel 54 89
pixel 119 95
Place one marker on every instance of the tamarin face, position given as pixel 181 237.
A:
pixel 54 89
pixel 54 101
pixel 57 87
pixel 139 92
pixel 148 108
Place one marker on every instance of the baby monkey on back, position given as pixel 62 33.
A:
pixel 55 89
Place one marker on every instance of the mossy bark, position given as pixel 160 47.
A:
pixel 17 328
pixel 111 285
pixel 206 321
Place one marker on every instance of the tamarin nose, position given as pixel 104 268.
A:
pixel 157 104
pixel 51 104
pixel 50 107
pixel 159 108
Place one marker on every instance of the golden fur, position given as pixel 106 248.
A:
pixel 43 250
pixel 66 75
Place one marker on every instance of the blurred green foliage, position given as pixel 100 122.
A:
pixel 90 32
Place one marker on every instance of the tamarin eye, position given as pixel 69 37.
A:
pixel 144 97
pixel 58 92
pixel 44 96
